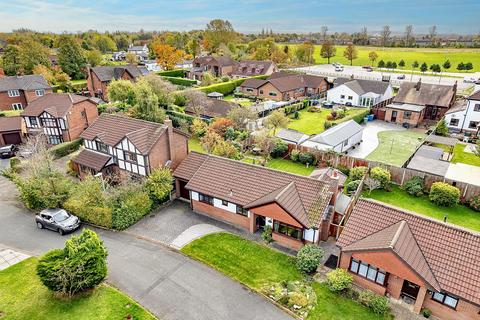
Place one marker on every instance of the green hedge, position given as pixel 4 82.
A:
pixel 226 87
pixel 177 117
pixel 180 81
pixel 63 149
pixel 359 117
pixel 177 73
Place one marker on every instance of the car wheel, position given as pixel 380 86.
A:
pixel 61 232
pixel 39 225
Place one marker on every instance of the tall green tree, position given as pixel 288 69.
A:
pixel 147 107
pixel 447 65
pixel 423 67
pixel 33 53
pixel 11 60
pixel 70 57
pixel 350 53
pixel 218 32
pixel 328 50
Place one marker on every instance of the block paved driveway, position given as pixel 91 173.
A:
pixel 166 282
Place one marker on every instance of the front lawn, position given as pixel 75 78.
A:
pixel 459 155
pixel 23 296
pixel 290 166
pixel 313 122
pixel 255 265
pixel 459 214
pixel 194 145
pixel 395 147
pixel 244 102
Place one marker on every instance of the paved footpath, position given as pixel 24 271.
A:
pixel 163 280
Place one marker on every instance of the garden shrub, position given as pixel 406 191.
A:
pixel 426 312
pixel 180 81
pixel 308 258
pixel 297 299
pixel 341 114
pixel 442 128
pixel 359 117
pixel 443 194
pixel 298 296
pixel 474 203
pixel 343 169
pixel 357 173
pixel 267 234
pixel 14 164
pixel 177 118
pixel 280 149
pixel 80 266
pixel 378 304
pixel 314 109
pixel 327 125
pixel 414 186
pixel 381 175
pixel 160 184
pixel 307 158
pixel 294 154
pixel 179 99
pixel 352 186
pixel 63 149
pixel 131 204
pixel 339 280
pixel 178 73
pixel 296 115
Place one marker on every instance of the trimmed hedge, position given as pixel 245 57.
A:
pixel 359 117
pixel 177 118
pixel 180 81
pixel 443 194
pixel 63 149
pixel 177 73
pixel 226 88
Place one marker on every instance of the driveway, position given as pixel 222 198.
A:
pixel 370 137
pixel 4 164
pixel 166 282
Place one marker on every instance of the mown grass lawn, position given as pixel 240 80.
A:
pixel 255 265
pixel 395 147
pixel 313 122
pixel 10 113
pixel 194 145
pixel 459 155
pixel 290 166
pixel 23 296
pixel 458 214
pixel 241 101
pixel 409 55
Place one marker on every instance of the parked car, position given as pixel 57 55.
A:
pixel 327 105
pixel 369 69
pixel 401 77
pixel 57 220
pixel 348 104
pixel 339 68
pixel 8 151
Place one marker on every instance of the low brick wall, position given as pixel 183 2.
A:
pixel 221 214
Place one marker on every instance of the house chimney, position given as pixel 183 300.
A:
pixel 168 122
pixel 419 83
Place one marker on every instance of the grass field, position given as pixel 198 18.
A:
pixel 395 147
pixel 459 155
pixel 23 296
pixel 255 265
pixel 313 122
pixel 459 214
pixel 427 55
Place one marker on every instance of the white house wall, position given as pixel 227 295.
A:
pixel 464 117
pixel 310 235
pixel 334 95
pixel 229 207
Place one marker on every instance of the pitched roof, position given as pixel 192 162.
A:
pixel 360 86
pixel 215 108
pixel 290 135
pixel 108 73
pixel 92 159
pixel 460 105
pixel 253 83
pixel 451 252
pixel 399 238
pixel 217 60
pixel 288 82
pixel 338 133
pixel 56 104
pixel 475 96
pixel 111 129
pixel 10 123
pixel 29 82
pixel 425 94
pixel 250 185
pixel 252 68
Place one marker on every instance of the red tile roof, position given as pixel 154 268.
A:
pixel 10 124
pixel 56 104
pixel 248 185
pixel 452 253
pixel 92 159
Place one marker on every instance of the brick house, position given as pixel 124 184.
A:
pixel 298 208
pixel 12 130
pixel 115 142
pixel 285 86
pixel 60 116
pixel 253 68
pixel 218 66
pixel 18 91
pixel 99 78
pixel 416 102
pixel 425 262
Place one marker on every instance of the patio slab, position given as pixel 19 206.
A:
pixel 193 233
pixel 9 257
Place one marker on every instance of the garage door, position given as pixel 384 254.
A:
pixel 12 138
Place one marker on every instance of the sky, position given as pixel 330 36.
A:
pixel 450 16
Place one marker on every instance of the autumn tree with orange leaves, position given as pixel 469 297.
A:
pixel 167 56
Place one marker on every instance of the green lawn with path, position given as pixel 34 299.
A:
pixel 409 55
pixel 23 296
pixel 395 147
pixel 458 214
pixel 313 122
pixel 460 156
pixel 241 101
pixel 255 265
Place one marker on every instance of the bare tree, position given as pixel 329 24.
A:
pixel 265 143
pixel 371 184
pixel 408 35
pixel 323 33
pixel 364 36
pixel 36 153
pixel 385 36
pixel 197 102
pixel 432 34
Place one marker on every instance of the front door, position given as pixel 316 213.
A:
pixel 184 193
pixel 260 222
pixel 410 290
pixel 394 116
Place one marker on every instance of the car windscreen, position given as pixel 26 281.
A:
pixel 61 216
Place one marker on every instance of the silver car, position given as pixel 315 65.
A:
pixel 57 220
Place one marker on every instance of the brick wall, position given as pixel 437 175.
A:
pixel 415 117
pixel 6 101
pixel 363 282
pixel 217 213
pixel 76 122
pixel 160 153
pixel 179 149
pixel 31 95
pixel 287 241
pixel 94 84
pixel 276 212
pixel 464 310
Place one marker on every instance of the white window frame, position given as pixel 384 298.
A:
pixel 17 106
pixel 13 93
pixel 40 92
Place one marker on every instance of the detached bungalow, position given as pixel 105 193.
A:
pixel 299 209
pixel 359 93
pixel 339 138
pixel 114 143
pixel 424 262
